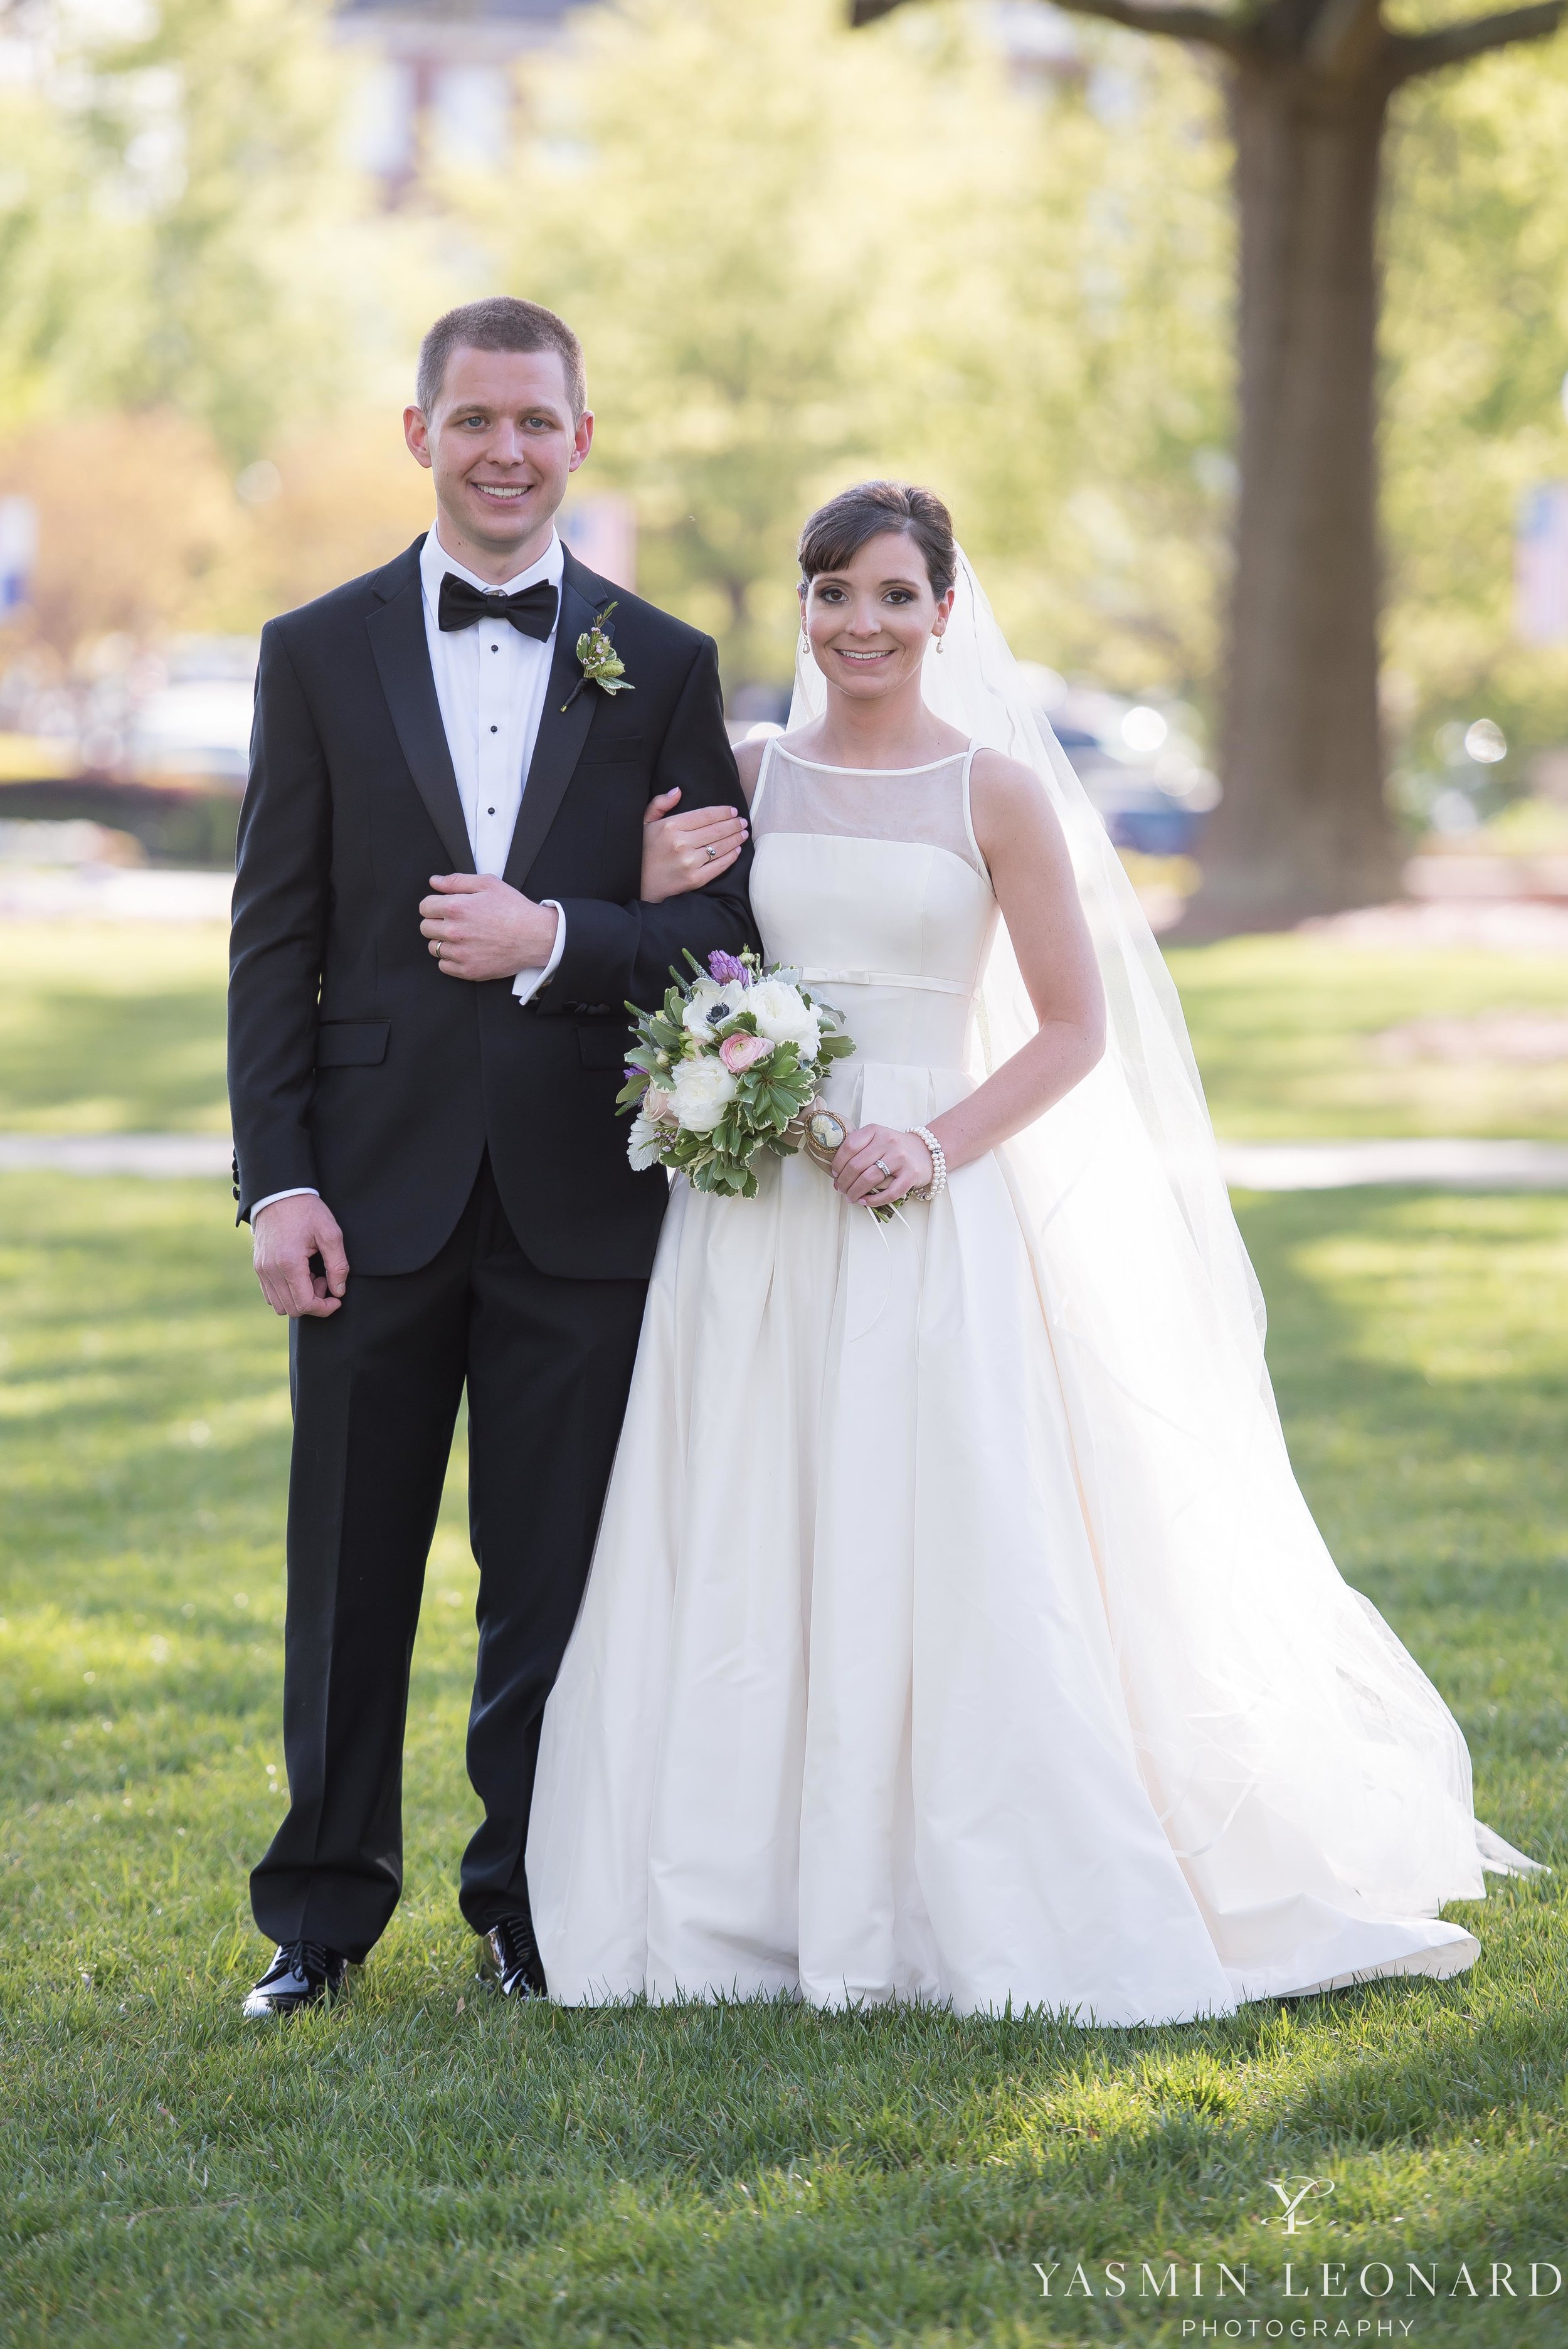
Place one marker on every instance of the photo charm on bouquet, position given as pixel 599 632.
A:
pixel 728 1067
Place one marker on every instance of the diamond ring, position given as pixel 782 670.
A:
pixel 885 1168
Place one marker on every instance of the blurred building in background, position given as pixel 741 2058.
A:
pixel 439 84
pixel 1541 566
pixel 601 529
pixel 18 546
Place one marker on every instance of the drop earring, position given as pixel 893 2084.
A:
pixel 939 648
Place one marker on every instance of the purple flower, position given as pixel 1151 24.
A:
pixel 727 969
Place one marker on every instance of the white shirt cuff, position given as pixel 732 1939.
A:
pixel 527 983
pixel 300 1191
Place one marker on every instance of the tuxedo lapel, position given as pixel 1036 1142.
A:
pixel 562 729
pixel 403 661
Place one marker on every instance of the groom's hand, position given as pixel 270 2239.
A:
pixel 285 1237
pixel 479 927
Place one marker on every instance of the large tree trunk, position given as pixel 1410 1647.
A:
pixel 1303 827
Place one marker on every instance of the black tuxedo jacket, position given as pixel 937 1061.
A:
pixel 354 1067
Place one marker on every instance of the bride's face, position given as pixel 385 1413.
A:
pixel 869 625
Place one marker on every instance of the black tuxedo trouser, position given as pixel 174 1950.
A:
pixel 547 1363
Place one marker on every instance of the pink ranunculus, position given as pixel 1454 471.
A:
pixel 741 1052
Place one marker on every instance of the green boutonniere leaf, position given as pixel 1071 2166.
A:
pixel 600 662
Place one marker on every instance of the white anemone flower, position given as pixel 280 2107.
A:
pixel 709 1005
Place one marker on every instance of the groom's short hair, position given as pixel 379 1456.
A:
pixel 499 323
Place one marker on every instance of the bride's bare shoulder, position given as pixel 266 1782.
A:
pixel 994 767
pixel 1009 806
pixel 749 759
pixel 1004 785
pixel 750 755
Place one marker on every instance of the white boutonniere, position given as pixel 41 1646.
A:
pixel 600 662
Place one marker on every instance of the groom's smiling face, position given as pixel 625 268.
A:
pixel 502 443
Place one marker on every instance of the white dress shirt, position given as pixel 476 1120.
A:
pixel 491 683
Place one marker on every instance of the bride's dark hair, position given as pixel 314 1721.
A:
pixel 836 531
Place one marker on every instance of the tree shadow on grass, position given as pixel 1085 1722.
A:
pixel 765 2174
pixel 1440 1494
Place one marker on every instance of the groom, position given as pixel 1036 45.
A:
pixel 436 926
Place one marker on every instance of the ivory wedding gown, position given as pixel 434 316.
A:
pixel 917 1659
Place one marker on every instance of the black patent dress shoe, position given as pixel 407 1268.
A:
pixel 513 1962
pixel 302 1973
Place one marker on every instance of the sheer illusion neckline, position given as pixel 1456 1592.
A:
pixel 924 806
pixel 822 766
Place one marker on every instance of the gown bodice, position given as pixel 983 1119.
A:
pixel 870 882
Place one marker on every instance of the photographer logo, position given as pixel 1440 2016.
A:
pixel 1293 2192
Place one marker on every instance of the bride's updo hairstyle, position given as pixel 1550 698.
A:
pixel 836 531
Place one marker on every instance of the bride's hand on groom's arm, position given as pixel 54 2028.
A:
pixel 682 853
pixel 285 1237
pixel 478 927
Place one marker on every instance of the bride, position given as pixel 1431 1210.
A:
pixel 956 1630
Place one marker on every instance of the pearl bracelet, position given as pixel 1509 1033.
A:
pixel 938 1183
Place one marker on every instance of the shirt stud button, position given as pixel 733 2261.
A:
pixel 492 730
pixel 490 810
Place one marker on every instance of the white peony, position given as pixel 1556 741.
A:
pixel 708 1005
pixel 701 1089
pixel 646 1142
pixel 783 1016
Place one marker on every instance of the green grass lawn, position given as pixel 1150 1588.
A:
pixel 120 1029
pixel 421 2167
pixel 112 1028
pixel 424 2167
pixel 1286 1034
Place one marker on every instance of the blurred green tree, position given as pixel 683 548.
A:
pixel 794 261
pixel 175 228
pixel 1304 825
pixel 1474 350
pixel 693 201
pixel 64 256
pixel 190 278
pixel 236 105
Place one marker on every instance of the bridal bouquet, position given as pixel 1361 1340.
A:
pixel 727 1067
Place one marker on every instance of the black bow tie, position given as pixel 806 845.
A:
pixel 531 610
